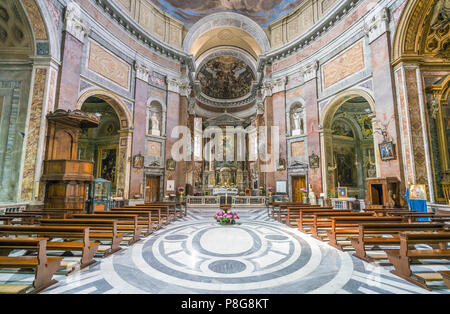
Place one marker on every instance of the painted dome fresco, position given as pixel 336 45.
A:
pixel 225 77
pixel 261 11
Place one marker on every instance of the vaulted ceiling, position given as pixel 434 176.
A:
pixel 261 11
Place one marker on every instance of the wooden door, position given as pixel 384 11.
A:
pixel 151 189
pixel 297 184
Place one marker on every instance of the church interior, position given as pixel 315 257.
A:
pixel 211 147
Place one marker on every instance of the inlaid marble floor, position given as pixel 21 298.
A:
pixel 259 256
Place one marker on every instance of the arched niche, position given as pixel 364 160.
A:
pixel 117 125
pixel 156 116
pixel 363 144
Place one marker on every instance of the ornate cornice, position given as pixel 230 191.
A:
pixel 279 85
pixel 142 72
pixel 376 24
pixel 74 24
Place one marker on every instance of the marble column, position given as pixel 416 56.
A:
pixel 137 178
pixel 315 177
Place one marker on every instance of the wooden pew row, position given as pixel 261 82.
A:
pixel 323 222
pixel 167 211
pixel 127 224
pixel 402 258
pixel 375 235
pixel 43 266
pixel 100 230
pixel 174 211
pixel 144 219
pixel 164 213
pixel 445 277
pixel 293 213
pixel 154 212
pixel 83 244
pixel 306 218
pixel 345 227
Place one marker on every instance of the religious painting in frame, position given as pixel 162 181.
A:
pixel 342 192
pixel 138 161
pixel 107 163
pixel 281 187
pixel 314 161
pixel 418 192
pixel 387 151
pixel 171 164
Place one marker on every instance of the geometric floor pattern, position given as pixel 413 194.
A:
pixel 194 255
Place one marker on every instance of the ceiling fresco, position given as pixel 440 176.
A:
pixel 225 77
pixel 262 12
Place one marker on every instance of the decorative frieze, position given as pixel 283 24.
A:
pixel 74 24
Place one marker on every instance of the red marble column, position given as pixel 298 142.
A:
pixel 69 78
pixel 312 130
pixel 139 133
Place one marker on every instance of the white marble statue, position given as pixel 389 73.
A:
pixel 312 196
pixel 155 125
pixel 297 121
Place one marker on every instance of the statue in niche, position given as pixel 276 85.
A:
pixel 155 130
pixel 297 123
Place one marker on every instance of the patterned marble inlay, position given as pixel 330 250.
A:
pixel 259 255
pixel 339 68
pixel 109 66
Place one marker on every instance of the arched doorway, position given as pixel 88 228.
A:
pixel 349 152
pixel 108 145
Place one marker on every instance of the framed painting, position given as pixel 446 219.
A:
pixel 314 161
pixel 171 164
pixel 342 192
pixel 138 161
pixel 387 151
pixel 418 192
pixel 170 185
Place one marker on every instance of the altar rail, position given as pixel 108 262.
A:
pixel 203 201
pixel 249 201
pixel 236 201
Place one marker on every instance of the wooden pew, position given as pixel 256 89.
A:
pixel 402 258
pixel 126 223
pixel 306 218
pixel 100 230
pixel 43 266
pixel 323 221
pixel 144 218
pixel 167 212
pixel 172 205
pixel 349 227
pixel 445 277
pixel 6 220
pixel 154 212
pixel 372 234
pixel 24 218
pixel 68 234
pixel 162 212
pixel 293 213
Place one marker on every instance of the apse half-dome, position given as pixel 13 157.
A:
pixel 225 77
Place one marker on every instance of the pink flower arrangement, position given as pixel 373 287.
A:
pixel 304 190
pixel 180 188
pixel 269 188
pixel 226 218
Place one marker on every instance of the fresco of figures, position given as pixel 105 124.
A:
pixel 225 77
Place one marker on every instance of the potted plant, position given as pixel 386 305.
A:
pixel 226 218
pixel 181 192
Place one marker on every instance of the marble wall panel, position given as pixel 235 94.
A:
pixel 340 68
pixel 107 65
pixel 298 149
pixel 37 23
pixel 154 149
